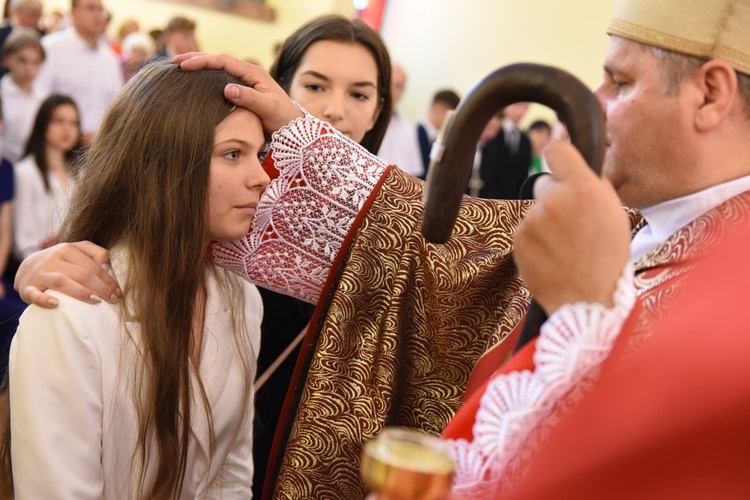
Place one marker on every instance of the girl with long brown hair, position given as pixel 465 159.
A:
pixel 339 70
pixel 153 397
pixel 45 176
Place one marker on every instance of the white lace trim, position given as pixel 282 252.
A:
pixel 572 343
pixel 306 212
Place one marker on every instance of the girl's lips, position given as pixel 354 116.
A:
pixel 252 205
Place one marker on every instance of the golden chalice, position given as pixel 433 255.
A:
pixel 404 464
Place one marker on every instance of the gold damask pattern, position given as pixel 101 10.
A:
pixel 517 309
pixel 664 271
pixel 400 335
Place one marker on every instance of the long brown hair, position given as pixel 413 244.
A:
pixel 340 29
pixel 144 188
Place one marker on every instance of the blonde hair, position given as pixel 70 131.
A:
pixel 21 38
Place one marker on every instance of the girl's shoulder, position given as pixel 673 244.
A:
pixel 73 324
pixel 26 166
pixel 5 85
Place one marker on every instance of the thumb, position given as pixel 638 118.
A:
pixel 233 92
pixel 274 108
pixel 566 163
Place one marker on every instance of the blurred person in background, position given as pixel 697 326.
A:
pixel 44 178
pixel 179 38
pixel 54 21
pixel 81 64
pixel 137 48
pixel 126 28
pixel 428 127
pixel 11 305
pixel 540 134
pixel 22 14
pixel 400 144
pixel 23 55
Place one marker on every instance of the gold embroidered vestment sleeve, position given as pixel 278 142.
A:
pixel 400 333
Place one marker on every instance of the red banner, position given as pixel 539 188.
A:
pixel 373 13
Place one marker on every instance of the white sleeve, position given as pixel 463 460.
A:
pixel 56 408
pixel 26 222
pixel 44 82
pixel 305 214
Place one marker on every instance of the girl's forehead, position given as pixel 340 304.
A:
pixel 27 51
pixel 335 56
pixel 240 123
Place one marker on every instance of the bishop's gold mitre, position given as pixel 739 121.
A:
pixel 709 29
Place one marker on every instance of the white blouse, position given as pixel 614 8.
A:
pixel 37 213
pixel 19 112
pixel 92 76
pixel 73 422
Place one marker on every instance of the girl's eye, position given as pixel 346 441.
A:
pixel 314 87
pixel 360 97
pixel 232 155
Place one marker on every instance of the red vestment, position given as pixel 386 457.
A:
pixel 671 419
pixel 660 279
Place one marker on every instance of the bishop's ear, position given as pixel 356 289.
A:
pixel 717 81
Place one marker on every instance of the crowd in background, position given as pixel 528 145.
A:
pixel 505 156
pixel 61 71
pixel 59 74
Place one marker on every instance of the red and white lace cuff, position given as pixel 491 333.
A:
pixel 572 344
pixel 306 212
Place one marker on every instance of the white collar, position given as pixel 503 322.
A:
pixel 666 218
pixel 509 125
pixel 83 42
pixel 12 88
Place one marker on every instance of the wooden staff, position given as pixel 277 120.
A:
pixel 452 154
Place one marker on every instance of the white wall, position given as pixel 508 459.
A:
pixel 455 43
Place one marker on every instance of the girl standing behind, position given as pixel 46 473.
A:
pixel 23 55
pixel 44 177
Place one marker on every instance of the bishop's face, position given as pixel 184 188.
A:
pixel 648 131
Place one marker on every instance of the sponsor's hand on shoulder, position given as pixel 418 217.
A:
pixel 75 269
